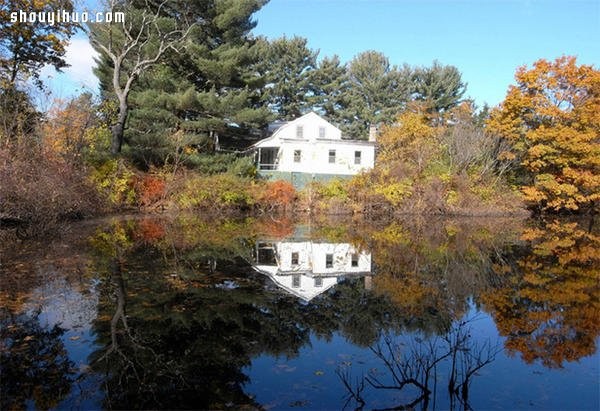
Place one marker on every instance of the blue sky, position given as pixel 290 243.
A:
pixel 485 39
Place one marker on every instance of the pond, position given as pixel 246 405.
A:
pixel 185 312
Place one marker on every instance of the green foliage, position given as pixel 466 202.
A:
pixel 204 96
pixel 441 87
pixel 377 92
pixel 334 188
pixel 286 66
pixel 222 163
pixel 216 191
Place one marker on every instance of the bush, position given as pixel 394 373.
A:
pixel 218 191
pixel 41 191
pixel 278 195
pixel 115 181
pixel 149 189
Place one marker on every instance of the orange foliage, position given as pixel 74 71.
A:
pixel 150 230
pixel 551 118
pixel 150 189
pixel 278 195
pixel 67 131
pixel 549 304
pixel 275 228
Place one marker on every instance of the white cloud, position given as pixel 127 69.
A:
pixel 80 58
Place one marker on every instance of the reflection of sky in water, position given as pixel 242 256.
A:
pixel 308 380
pixel 73 306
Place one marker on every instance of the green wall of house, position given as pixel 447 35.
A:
pixel 299 180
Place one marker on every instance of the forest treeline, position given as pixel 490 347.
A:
pixel 186 87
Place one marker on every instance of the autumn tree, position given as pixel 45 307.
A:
pixel 551 118
pixel 68 130
pixel 546 304
pixel 25 48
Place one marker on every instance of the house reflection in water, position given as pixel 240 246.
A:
pixel 308 268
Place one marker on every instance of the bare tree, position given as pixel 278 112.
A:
pixel 417 366
pixel 132 46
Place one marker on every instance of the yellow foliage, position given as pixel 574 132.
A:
pixel 549 304
pixel 552 120
pixel 116 181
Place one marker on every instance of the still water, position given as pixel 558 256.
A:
pixel 185 312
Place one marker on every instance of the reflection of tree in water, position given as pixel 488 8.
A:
pixel 176 333
pixel 34 363
pixel 430 269
pixel 181 315
pixel 548 301
pixel 414 368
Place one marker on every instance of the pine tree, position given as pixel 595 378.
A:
pixel 377 92
pixel 201 95
pixel 286 65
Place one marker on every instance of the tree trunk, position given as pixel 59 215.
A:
pixel 118 129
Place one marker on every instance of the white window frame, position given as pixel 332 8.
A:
pixel 332 157
pixel 322 132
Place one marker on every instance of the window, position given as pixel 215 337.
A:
pixel 357 156
pixel 296 281
pixel 318 281
pixel 297 156
pixel 295 258
pixel 265 254
pixel 328 260
pixel 354 260
pixel 299 132
pixel 321 132
pixel 332 156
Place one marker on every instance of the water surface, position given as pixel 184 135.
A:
pixel 185 312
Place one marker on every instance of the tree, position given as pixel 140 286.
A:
pixel 546 304
pixel 551 118
pixel 68 130
pixel 27 47
pixel 199 96
pixel 286 66
pixel 378 92
pixel 441 87
pixel 133 46
pixel 329 88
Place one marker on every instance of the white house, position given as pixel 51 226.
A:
pixel 311 148
pixel 307 268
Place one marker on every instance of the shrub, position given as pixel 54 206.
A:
pixel 115 181
pixel 218 191
pixel 149 189
pixel 277 195
pixel 40 191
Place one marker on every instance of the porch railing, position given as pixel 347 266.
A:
pixel 263 166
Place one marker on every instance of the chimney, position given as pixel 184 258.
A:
pixel 372 133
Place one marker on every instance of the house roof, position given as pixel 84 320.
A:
pixel 284 125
